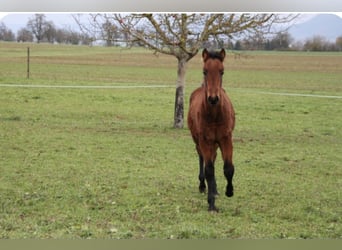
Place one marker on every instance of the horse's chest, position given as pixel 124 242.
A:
pixel 215 132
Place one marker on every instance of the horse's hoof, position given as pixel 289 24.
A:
pixel 229 193
pixel 213 209
pixel 201 189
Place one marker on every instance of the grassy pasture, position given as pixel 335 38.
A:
pixel 106 163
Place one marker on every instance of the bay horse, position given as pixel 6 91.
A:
pixel 211 120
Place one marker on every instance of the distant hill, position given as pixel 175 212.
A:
pixel 326 25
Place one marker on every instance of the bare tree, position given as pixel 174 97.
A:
pixel 339 43
pixel 50 32
pixel 316 43
pixel 183 35
pixel 37 26
pixel 24 35
pixel 5 33
pixel 109 33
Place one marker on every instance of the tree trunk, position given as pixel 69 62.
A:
pixel 179 99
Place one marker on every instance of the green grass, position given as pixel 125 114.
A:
pixel 106 163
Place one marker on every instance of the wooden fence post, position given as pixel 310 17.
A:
pixel 28 62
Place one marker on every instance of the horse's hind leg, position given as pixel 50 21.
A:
pixel 201 175
pixel 215 185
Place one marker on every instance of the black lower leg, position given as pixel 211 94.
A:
pixel 201 176
pixel 229 173
pixel 210 177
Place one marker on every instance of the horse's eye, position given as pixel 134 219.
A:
pixel 205 72
pixel 222 73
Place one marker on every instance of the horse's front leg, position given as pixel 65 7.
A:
pixel 212 190
pixel 209 155
pixel 201 175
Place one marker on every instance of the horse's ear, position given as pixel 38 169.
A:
pixel 223 54
pixel 205 55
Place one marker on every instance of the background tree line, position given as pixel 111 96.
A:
pixel 38 29
pixel 285 42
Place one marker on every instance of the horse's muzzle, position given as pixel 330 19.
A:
pixel 213 100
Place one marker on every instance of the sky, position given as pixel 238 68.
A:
pixel 16 21
pixel 3 14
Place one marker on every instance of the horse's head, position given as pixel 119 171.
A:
pixel 213 71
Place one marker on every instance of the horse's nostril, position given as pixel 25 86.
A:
pixel 213 100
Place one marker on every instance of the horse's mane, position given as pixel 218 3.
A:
pixel 215 55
